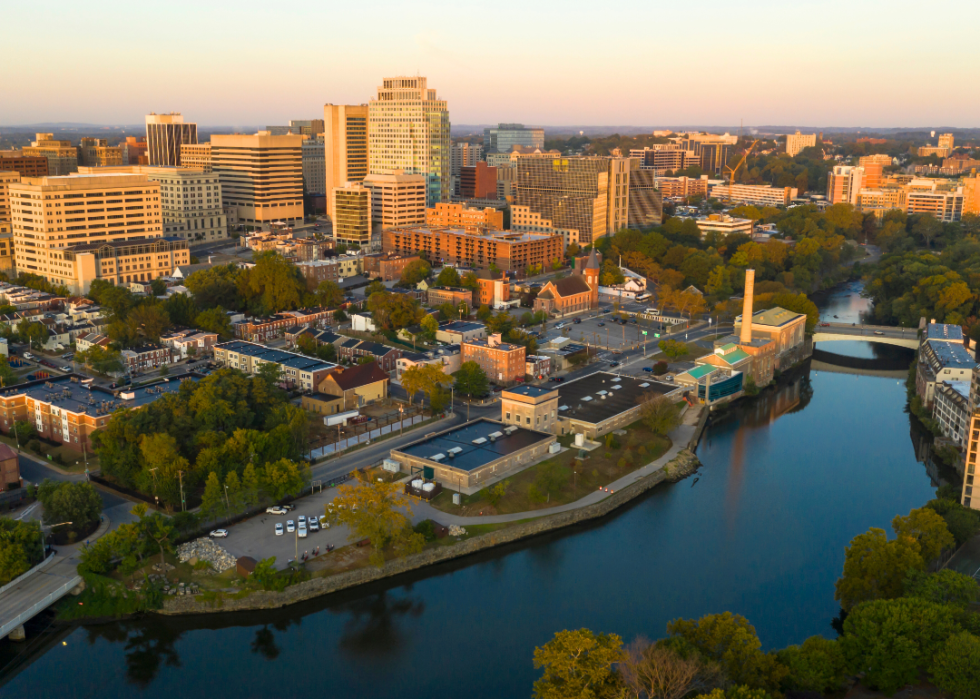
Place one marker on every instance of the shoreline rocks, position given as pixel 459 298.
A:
pixel 207 550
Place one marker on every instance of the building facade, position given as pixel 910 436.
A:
pixel 296 369
pixel 509 251
pixel 387 266
pixel 196 155
pixel 96 152
pixel 503 363
pixel 165 133
pixel 408 131
pixel 345 144
pixel 503 137
pixel 62 156
pixel 478 181
pixel 25 165
pixel 645 207
pixel 460 216
pixel 314 167
pixel 351 214
pixel 123 261
pixel 844 184
pixel 397 200
pixel 798 141
pixel 534 407
pixel 759 195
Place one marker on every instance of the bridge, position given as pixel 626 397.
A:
pixel 884 334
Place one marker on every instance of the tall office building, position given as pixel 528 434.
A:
pixel 798 141
pixel 645 204
pixel 261 176
pixel 96 152
pixel 197 155
pixel 462 155
pixel 62 156
pixel 503 137
pixel 397 199
pixel 589 194
pixel 314 170
pixel 844 184
pixel 408 130
pixel 713 150
pixel 52 216
pixel 352 214
pixel 345 146
pixel 164 135
pixel 133 151
pixel 946 141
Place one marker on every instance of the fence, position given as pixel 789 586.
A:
pixel 339 446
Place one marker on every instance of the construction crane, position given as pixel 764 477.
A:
pixel 732 171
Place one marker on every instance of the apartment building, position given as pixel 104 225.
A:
pixel 62 156
pixel 878 201
pixel 122 261
pixel 503 363
pixel 494 290
pixel 645 207
pixel 196 155
pixel 387 266
pixel 463 155
pixel 314 167
pixel 951 410
pixel 712 149
pixel 478 181
pixel 589 194
pixel 877 159
pixel 50 214
pixel 190 199
pixel 844 184
pixel 947 206
pixel 333 269
pixel 351 214
pixel 345 144
pixel 759 195
pixel 942 357
pixel 526 221
pixel 798 141
pixel 397 200
pixel 438 295
pixel 165 134
pixel 508 250
pixel 96 152
pixel 663 161
pixel 7 177
pixel 26 166
pixel 297 370
pixel 190 343
pixel 408 132
pixel 682 187
pixel 461 216
pixel 133 151
pixel 261 176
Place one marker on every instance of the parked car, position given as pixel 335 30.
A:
pixel 219 534
pixel 278 528
pixel 314 524
pixel 602 325
pixel 288 508
pixel 290 526
pixel 648 369
pixel 276 510
pixel 825 325
pixel 613 363
pixel 301 520
pixel 577 321
pixel 302 532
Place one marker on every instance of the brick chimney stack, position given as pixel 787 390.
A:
pixel 745 337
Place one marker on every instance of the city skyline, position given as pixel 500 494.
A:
pixel 239 68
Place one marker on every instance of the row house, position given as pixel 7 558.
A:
pixel 353 349
pixel 297 370
pixel 186 343
pixel 265 329
pixel 86 340
pixel 320 337
pixel 145 358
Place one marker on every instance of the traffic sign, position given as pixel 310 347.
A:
pixel 644 332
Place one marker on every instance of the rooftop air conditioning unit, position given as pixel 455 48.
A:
pixel 644 385
pixel 480 440
pixel 437 457
pixel 496 435
pixel 586 398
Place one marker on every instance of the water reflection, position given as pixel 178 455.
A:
pixel 372 627
pixel 265 644
pixel 146 647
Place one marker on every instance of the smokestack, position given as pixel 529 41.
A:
pixel 746 335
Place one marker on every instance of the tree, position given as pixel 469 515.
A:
pixel 673 348
pixel 101 360
pixel 736 692
pixel 284 477
pixel 67 501
pixel 817 665
pixel 657 671
pixel 484 313
pixel 659 414
pixel 329 294
pixel 24 431
pixel 424 378
pixel 181 309
pixel 926 527
pixel 875 568
pixel 430 326
pixel 233 492
pixel 579 665
pixel 270 372
pixel 449 277
pixel 161 463
pixel 251 490
pixel 551 478
pixel 7 375
pixel 339 316
pixel 471 380
pixel 215 320
pixel 893 641
pixel 943 587
pixel 212 501
pixel 415 271
pixel 470 281
pixel 272 285
pixel 956 668
pixel 148 320
pixel 158 287
pixel 377 511
pixel 20 548
pixel 730 640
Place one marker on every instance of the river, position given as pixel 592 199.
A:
pixel 787 481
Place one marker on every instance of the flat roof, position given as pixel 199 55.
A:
pixel 775 316
pixel 944 331
pixel 530 390
pixel 461 326
pixel 268 354
pixel 951 354
pixel 600 396
pixel 472 446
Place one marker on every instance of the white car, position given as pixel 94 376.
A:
pixel 290 526
pixel 324 522
pixel 278 528
pixel 314 524
pixel 276 510
pixel 302 532
pixel 301 520
pixel 219 534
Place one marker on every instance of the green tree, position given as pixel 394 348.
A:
pixel 470 281
pixel 943 587
pixel 449 277
pixel 430 326
pixel 926 527
pixel 471 380
pixel 284 477
pixel 215 320
pixel 483 313
pixel 270 372
pixel 7 375
pixel 329 294
pixel 415 271
pixel 20 548
pixel 272 285
pixel 424 378
pixel 736 692
pixel 251 490
pixel 672 348
pixel 181 309
pixel 579 665
pixel 212 500
pixel 893 641
pixel 551 478
pixel 162 462
pixel 956 668
pixel 233 492
pixel 875 568
pixel 24 431
pixel 817 665
pixel 101 360
pixel 659 414
pixel 67 501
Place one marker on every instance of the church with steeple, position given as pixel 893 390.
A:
pixel 572 294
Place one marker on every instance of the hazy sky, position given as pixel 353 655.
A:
pixel 633 62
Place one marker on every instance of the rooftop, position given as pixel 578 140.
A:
pixel 461 326
pixel 944 331
pixel 530 390
pixel 775 317
pixel 360 375
pixel 474 444
pixel 502 346
pixel 952 355
pixel 268 354
pixel 600 396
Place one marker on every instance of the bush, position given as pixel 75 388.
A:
pixel 621 463
pixel 426 529
pixel 35 446
pixel 186 522
pixel 660 368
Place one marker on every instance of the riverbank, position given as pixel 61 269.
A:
pixel 682 465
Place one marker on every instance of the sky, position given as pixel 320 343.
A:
pixel 632 62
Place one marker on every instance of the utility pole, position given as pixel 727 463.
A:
pixel 227 504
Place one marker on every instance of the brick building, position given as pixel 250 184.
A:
pixel 579 292
pixel 353 349
pixel 26 165
pixel 265 329
pixel 502 362
pixel 145 358
pixel 494 290
pixel 388 266
pixel 478 181
pixel 511 251
pixel 297 369
pixel 438 295
pixel 465 217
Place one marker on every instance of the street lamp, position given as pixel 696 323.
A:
pixel 41 529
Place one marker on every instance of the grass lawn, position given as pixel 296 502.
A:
pixel 562 479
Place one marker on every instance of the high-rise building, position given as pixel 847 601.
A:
pixel 311 128
pixel 7 177
pixel 397 199
pixel 190 199
pixel 25 165
pixel 96 152
pixel 52 215
pixel 261 176
pixel 645 205
pixel 946 141
pixel 314 170
pixel 877 159
pixel 345 146
pixel 508 250
pixel 971 194
pixel 798 141
pixel 589 194
pixel 352 214
pixel 844 184
pixel 133 151
pixel 463 155
pixel 665 160
pixel 503 137
pixel 945 205
pixel 62 156
pixel 196 155
pixel 408 131
pixel 478 181
pixel 712 149
pixel 165 133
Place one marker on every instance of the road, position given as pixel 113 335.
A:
pixel 865 330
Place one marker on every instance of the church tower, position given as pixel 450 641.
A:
pixel 591 273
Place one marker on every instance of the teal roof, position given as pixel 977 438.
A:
pixel 699 372
pixel 735 357
pixel 729 346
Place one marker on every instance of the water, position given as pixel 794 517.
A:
pixel 787 481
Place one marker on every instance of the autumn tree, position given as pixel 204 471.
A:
pixel 579 665
pixel 928 529
pixel 673 348
pixel 329 294
pixel 875 568
pixel 284 477
pixel 424 378
pixel 659 413
pixel 657 671
pixel 415 271
pixel 375 510
pixel 449 277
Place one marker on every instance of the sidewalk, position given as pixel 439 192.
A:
pixel 681 437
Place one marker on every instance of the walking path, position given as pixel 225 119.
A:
pixel 680 436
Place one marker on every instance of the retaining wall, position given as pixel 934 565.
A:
pixel 684 464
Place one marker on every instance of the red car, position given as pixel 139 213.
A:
pixel 825 325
